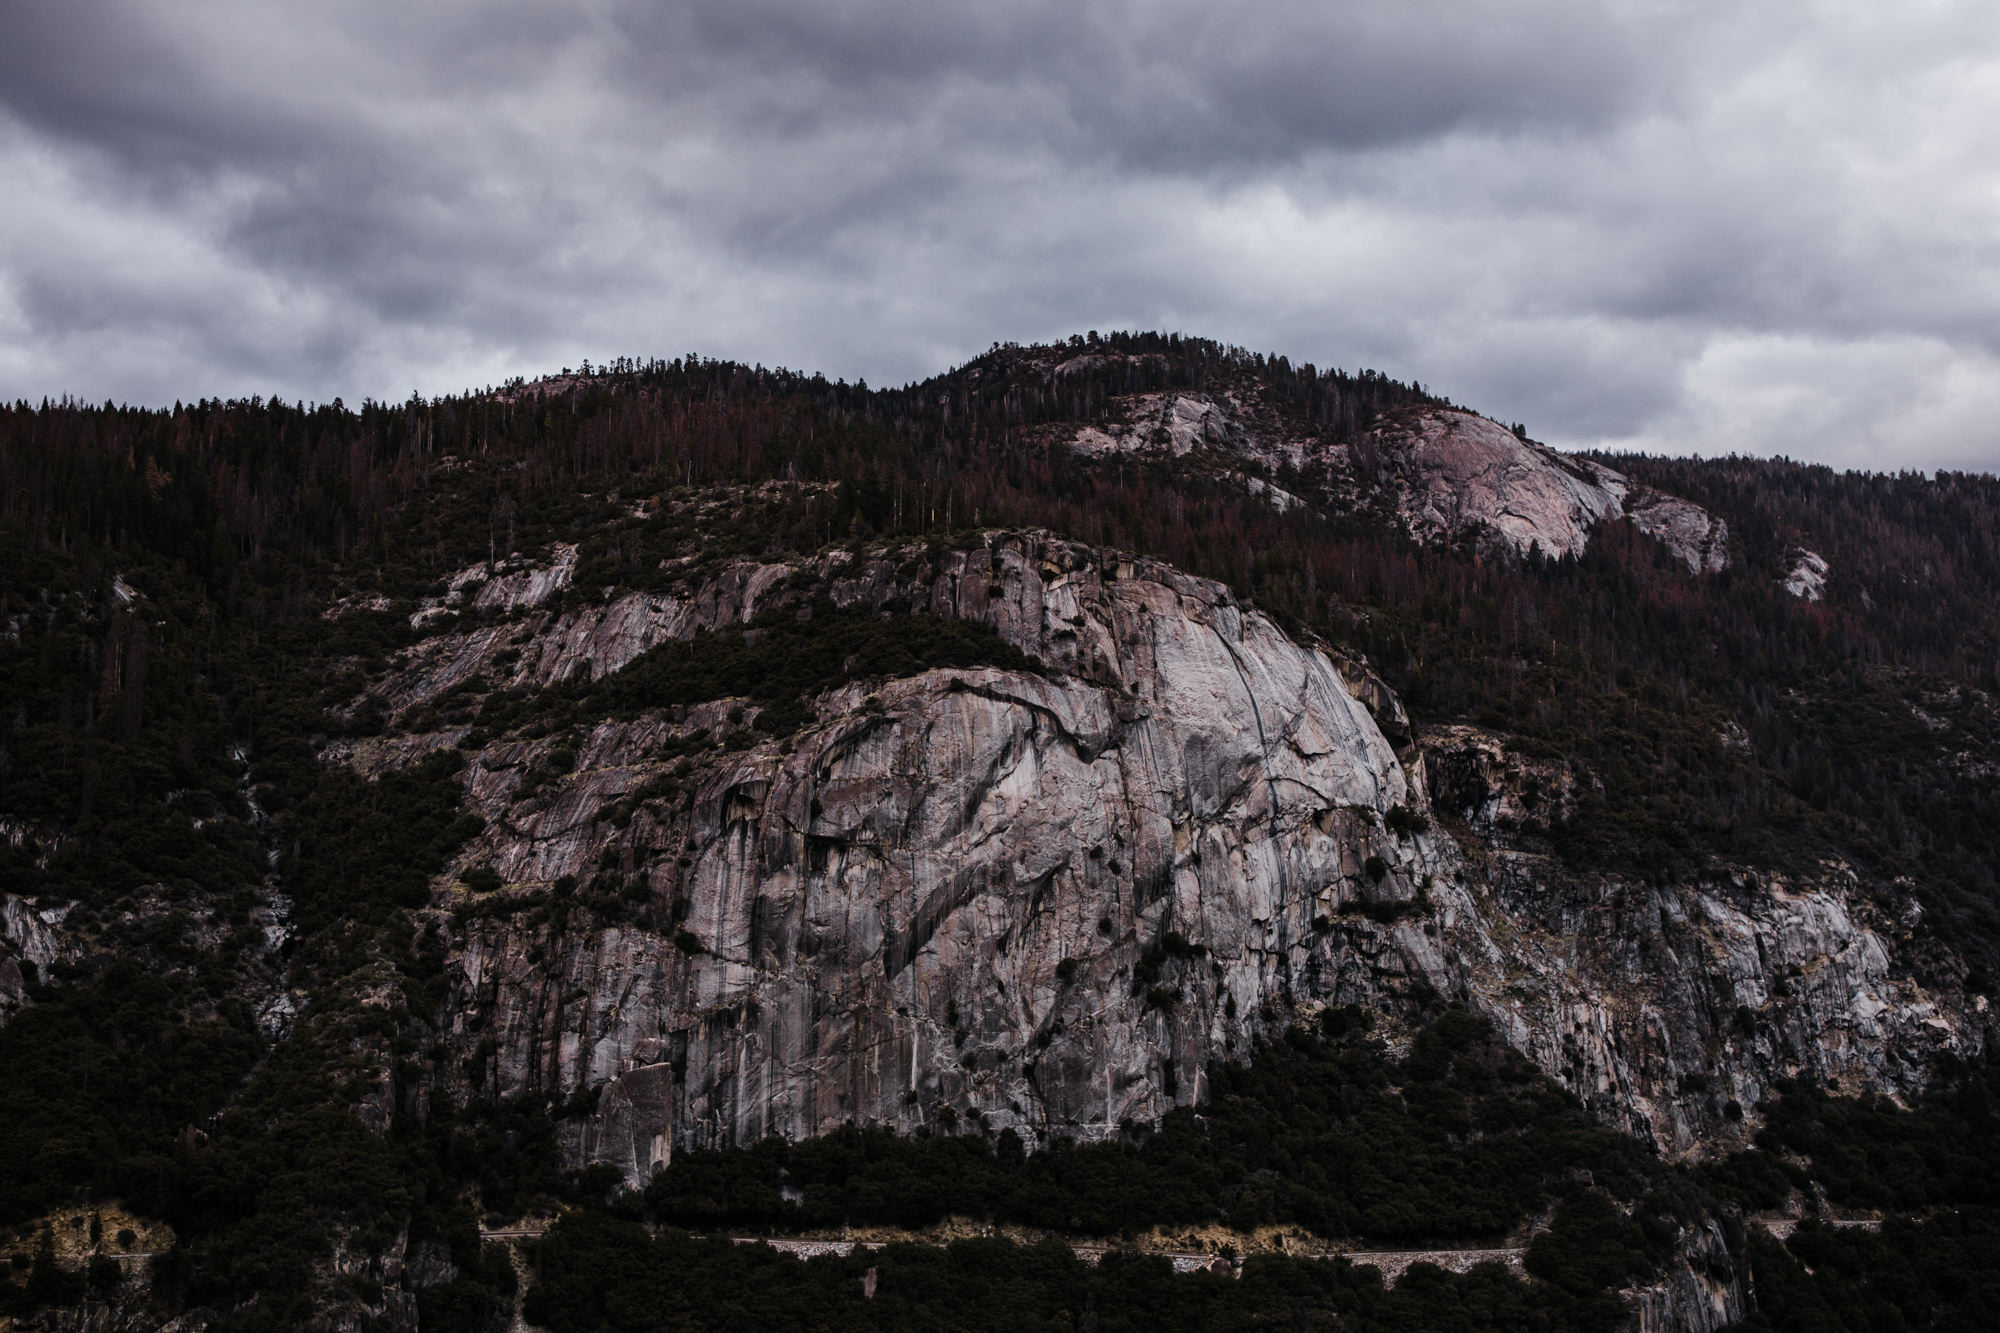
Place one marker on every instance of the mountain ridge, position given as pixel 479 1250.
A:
pixel 529 787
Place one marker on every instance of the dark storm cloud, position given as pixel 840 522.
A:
pixel 1668 225
pixel 1177 87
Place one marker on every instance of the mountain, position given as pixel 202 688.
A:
pixel 1113 788
pixel 1443 475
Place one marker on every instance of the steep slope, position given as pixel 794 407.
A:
pixel 460 809
pixel 1039 900
pixel 1049 900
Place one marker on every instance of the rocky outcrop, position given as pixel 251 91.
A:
pixel 1220 431
pixel 1041 901
pixel 31 938
pixel 1175 425
pixel 1699 538
pixel 593 639
pixel 1700 1291
pixel 1456 474
pixel 1494 789
pixel 1050 900
pixel 1446 474
pixel 1806 577
pixel 1672 1007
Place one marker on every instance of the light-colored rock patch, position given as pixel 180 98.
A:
pixel 1807 576
pixel 937 908
pixel 1461 473
pixel 1698 537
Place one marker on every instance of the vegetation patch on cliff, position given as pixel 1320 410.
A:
pixel 780 662
pixel 1460 1140
pixel 1932 1171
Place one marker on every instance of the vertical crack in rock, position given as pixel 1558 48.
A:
pixel 1024 897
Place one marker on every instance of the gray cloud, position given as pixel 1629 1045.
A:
pixel 1675 226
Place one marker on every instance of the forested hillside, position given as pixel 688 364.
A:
pixel 222 988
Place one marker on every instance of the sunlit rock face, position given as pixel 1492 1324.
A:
pixel 1050 900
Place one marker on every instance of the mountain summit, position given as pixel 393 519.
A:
pixel 1130 788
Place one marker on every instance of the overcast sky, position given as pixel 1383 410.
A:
pixel 1687 227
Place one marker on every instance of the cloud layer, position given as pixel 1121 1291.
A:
pixel 1674 226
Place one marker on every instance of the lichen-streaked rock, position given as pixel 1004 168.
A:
pixel 31 939
pixel 1049 901
pixel 1052 900
pixel 1662 1003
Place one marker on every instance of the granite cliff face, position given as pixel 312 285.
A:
pixel 1671 1007
pixel 1050 900
pixel 1455 474
pixel 31 938
pixel 1045 901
